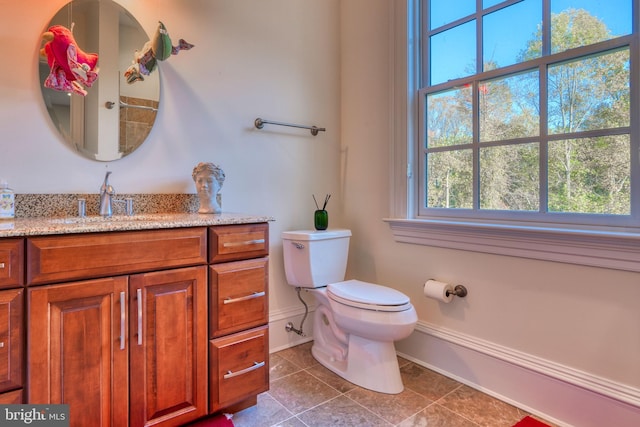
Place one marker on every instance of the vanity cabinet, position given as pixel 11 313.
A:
pixel 11 320
pixel 117 325
pixel 238 318
pixel 136 327
pixel 11 345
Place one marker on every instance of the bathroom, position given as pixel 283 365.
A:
pixel 559 338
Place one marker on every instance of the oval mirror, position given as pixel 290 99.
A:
pixel 114 117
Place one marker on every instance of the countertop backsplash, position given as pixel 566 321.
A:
pixel 65 205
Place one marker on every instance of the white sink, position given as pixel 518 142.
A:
pixel 114 218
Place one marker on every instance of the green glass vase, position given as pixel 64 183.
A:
pixel 321 219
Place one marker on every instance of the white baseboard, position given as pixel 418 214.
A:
pixel 279 338
pixel 560 394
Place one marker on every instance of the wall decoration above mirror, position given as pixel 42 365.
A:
pixel 114 118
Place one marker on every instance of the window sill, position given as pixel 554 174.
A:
pixel 618 250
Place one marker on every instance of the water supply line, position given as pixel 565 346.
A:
pixel 289 326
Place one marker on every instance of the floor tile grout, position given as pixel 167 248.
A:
pixel 314 391
pixel 364 407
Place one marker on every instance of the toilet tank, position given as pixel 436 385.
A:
pixel 313 259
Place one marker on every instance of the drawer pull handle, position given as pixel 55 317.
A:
pixel 122 320
pixel 1 264
pixel 244 298
pixel 2 344
pixel 139 294
pixel 255 366
pixel 245 243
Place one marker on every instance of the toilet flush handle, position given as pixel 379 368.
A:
pixel 298 245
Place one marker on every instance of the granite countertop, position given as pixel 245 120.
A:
pixel 19 227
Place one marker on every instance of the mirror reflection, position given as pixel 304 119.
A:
pixel 114 118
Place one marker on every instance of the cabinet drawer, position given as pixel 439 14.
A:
pixel 11 321
pixel 11 262
pixel 237 296
pixel 11 398
pixel 234 242
pixel 238 367
pixel 82 256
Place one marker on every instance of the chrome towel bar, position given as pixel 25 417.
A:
pixel 259 123
pixel 110 104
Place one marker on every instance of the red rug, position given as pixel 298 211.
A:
pixel 530 422
pixel 220 420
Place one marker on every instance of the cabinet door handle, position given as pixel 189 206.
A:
pixel 123 324
pixel 229 300
pixel 1 264
pixel 244 243
pixel 139 293
pixel 255 366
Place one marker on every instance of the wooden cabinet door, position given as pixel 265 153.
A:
pixel 168 366
pixel 11 327
pixel 77 352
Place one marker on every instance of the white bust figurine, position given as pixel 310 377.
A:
pixel 208 179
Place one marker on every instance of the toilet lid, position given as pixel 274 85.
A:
pixel 356 293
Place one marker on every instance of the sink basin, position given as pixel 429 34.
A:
pixel 114 218
pixel 65 220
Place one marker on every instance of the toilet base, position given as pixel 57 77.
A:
pixel 369 364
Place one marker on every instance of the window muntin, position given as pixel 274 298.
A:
pixel 614 20
pixel 449 118
pixel 590 175
pixel 449 179
pixel 488 3
pixel 506 30
pixel 460 64
pixel 527 122
pixel 509 177
pixel 442 13
pixel 589 93
pixel 508 107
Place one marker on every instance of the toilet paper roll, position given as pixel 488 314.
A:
pixel 438 290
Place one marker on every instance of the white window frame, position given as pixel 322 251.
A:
pixel 600 246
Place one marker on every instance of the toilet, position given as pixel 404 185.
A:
pixel 355 322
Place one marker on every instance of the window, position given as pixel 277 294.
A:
pixel 526 111
pixel 519 121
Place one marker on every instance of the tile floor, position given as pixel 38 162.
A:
pixel 304 393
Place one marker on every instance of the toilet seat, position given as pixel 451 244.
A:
pixel 368 296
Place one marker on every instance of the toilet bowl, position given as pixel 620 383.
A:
pixel 355 322
pixel 377 319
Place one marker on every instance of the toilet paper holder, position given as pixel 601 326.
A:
pixel 459 291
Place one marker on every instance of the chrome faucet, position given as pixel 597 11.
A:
pixel 106 195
